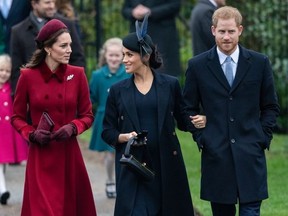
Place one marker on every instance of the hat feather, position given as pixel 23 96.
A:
pixel 141 31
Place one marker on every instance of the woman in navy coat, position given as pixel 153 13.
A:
pixel 147 101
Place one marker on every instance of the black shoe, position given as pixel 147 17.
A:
pixel 4 197
pixel 110 190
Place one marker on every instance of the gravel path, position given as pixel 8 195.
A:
pixel 95 168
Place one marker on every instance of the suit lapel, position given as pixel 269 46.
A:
pixel 163 90
pixel 127 96
pixel 13 7
pixel 128 99
pixel 242 67
pixel 216 69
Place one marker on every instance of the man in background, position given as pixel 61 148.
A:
pixel 161 27
pixel 200 25
pixel 24 33
pixel 11 13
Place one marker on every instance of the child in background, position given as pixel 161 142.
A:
pixel 13 148
pixel 111 70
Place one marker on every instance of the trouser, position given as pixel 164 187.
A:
pixel 245 209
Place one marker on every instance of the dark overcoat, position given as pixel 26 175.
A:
pixel 239 124
pixel 23 45
pixel 162 29
pixel 121 117
pixel 19 10
pixel 200 26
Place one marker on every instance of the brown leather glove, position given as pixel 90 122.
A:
pixel 64 132
pixel 40 137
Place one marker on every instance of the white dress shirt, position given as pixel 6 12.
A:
pixel 234 56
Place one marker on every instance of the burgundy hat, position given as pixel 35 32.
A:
pixel 49 29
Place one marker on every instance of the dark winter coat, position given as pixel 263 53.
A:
pixel 121 117
pixel 19 10
pixel 200 26
pixel 239 124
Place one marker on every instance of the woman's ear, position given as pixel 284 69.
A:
pixel 47 50
pixel 146 58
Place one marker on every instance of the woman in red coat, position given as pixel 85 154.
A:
pixel 57 182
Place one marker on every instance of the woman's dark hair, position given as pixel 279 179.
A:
pixel 40 54
pixel 155 60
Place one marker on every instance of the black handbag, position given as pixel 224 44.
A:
pixel 139 168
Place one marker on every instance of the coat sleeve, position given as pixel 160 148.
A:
pixel 268 103
pixel 85 116
pixel 20 108
pixel 167 10
pixel 192 101
pixel 179 112
pixel 110 133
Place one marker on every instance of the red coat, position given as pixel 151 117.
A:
pixel 56 182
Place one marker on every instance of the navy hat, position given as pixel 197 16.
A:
pixel 139 41
pixel 132 43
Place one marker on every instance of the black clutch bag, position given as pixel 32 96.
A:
pixel 139 168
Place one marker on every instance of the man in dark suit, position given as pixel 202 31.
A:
pixel 162 28
pixel 200 25
pixel 240 118
pixel 16 11
pixel 23 34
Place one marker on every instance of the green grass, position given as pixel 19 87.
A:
pixel 277 161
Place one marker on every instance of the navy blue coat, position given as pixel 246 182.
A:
pixel 239 124
pixel 19 10
pixel 200 26
pixel 121 117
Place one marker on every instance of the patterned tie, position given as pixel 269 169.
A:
pixel 229 70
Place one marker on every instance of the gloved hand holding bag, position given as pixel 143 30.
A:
pixel 40 137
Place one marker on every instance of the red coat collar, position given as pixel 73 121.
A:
pixel 48 74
